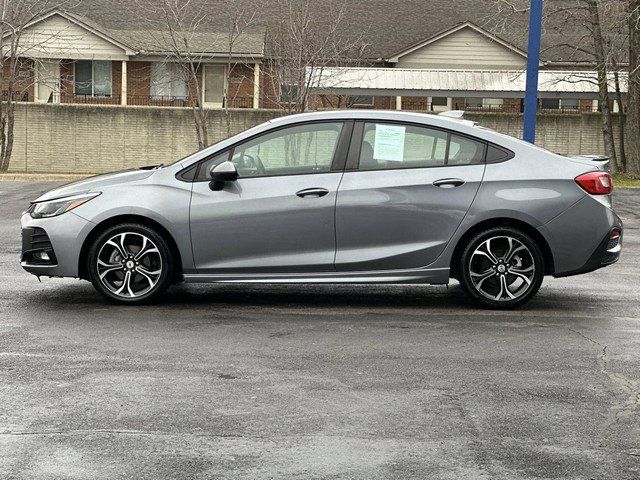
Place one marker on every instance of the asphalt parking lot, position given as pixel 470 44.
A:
pixel 318 382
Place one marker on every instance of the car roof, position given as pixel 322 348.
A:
pixel 392 115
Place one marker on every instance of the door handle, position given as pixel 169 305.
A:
pixel 448 182
pixel 312 192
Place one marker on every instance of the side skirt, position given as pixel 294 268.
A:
pixel 432 276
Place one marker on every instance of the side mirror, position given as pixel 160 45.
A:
pixel 225 172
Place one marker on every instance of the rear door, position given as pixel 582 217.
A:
pixel 406 189
pixel 279 216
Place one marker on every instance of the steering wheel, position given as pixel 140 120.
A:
pixel 247 162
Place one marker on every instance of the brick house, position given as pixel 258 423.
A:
pixel 415 59
pixel 71 59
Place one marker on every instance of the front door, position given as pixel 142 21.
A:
pixel 407 192
pixel 278 217
pixel 48 77
pixel 214 82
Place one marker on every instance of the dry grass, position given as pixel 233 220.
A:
pixel 620 180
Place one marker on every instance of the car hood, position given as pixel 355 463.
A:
pixel 93 184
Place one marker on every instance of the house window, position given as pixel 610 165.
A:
pixel 472 103
pixel 92 78
pixel 167 81
pixel 361 100
pixel 492 103
pixel 550 103
pixel 289 93
pixel 438 101
pixel 569 104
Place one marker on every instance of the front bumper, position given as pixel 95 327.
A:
pixel 60 237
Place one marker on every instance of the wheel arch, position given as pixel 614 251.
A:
pixel 129 218
pixel 549 265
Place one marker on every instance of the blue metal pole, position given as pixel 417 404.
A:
pixel 533 61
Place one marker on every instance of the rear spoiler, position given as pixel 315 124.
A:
pixel 457 115
pixel 600 160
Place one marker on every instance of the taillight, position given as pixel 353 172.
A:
pixel 596 183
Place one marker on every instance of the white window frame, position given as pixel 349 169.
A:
pixel 360 104
pixel 93 79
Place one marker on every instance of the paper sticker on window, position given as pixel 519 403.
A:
pixel 389 143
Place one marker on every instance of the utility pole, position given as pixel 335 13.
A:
pixel 533 61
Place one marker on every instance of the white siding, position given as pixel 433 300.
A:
pixel 466 49
pixel 57 37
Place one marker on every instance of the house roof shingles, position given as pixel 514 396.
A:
pixel 386 26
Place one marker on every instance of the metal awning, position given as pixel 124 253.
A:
pixel 456 83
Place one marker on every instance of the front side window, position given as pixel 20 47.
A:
pixel 93 78
pixel 297 150
pixel 391 146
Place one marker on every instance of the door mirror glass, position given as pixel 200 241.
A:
pixel 225 172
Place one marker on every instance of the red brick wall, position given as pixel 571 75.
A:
pixel 240 87
pixel 66 81
pixel 586 105
pixel 23 80
pixel 512 105
pixel 138 81
pixel 385 103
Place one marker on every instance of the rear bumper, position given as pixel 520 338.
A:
pixel 579 237
pixel 608 252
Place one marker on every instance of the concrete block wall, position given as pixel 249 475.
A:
pixel 565 134
pixel 103 138
pixel 96 138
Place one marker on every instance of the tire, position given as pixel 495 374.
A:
pixel 501 268
pixel 145 272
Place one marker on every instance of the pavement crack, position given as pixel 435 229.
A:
pixel 620 410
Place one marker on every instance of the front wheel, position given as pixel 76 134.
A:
pixel 501 267
pixel 130 263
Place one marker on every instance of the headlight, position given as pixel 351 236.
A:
pixel 58 206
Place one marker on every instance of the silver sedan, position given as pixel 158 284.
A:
pixel 335 197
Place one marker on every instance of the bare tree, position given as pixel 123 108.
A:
pixel 240 19
pixel 592 30
pixel 175 30
pixel 600 47
pixel 308 40
pixel 17 62
pixel 633 98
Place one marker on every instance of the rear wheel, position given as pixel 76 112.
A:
pixel 130 263
pixel 501 267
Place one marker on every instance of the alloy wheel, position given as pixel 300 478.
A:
pixel 502 268
pixel 129 264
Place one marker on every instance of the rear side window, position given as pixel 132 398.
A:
pixel 401 146
pixel 391 146
pixel 465 151
pixel 497 154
